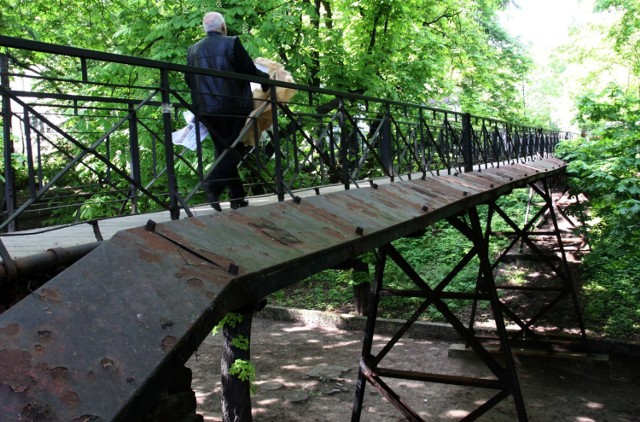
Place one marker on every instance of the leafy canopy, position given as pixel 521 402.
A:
pixel 449 53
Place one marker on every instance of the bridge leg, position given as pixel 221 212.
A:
pixel 529 235
pixel 506 382
pixel 569 283
pixel 489 286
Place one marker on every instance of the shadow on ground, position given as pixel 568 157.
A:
pixel 308 373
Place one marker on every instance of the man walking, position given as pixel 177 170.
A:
pixel 222 104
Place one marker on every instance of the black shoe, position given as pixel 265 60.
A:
pixel 238 203
pixel 215 201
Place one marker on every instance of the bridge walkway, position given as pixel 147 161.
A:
pixel 117 323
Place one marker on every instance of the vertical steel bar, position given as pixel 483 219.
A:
pixel 277 144
pixel 422 145
pixel 466 142
pixel 367 342
pixel 386 143
pixel 343 148
pixel 39 155
pixel 490 288
pixel 568 279
pixel 107 153
pixel 168 145
pixel 134 155
pixel 9 171
pixel 30 169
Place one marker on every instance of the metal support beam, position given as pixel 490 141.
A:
pixel 563 285
pixel 506 380
pixel 9 193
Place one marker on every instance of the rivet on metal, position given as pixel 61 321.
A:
pixel 359 230
pixel 151 226
pixel 233 269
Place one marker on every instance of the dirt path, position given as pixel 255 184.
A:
pixel 291 386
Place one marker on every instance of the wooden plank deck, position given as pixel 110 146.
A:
pixel 33 242
pixel 28 243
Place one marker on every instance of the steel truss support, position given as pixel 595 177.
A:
pixel 506 381
pixel 529 234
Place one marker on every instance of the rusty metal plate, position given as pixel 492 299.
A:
pixel 88 341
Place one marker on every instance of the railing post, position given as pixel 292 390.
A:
pixel 343 149
pixel 541 142
pixel 386 143
pixel 134 156
pixel 466 142
pixel 277 145
pixel 168 145
pixel 423 143
pixel 30 169
pixel 9 205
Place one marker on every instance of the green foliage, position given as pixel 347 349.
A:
pixel 625 31
pixel 329 290
pixel 231 319
pixel 448 53
pixel 240 342
pixel 245 371
pixel 612 293
pixel 605 167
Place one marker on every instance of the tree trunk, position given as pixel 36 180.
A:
pixel 236 397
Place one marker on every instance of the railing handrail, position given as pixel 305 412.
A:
pixel 43 47
pixel 401 128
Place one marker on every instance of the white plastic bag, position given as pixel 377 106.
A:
pixel 186 136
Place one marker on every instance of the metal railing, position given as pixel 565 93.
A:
pixel 81 145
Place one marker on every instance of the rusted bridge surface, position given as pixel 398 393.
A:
pixel 102 338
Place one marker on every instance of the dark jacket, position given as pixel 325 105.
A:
pixel 212 95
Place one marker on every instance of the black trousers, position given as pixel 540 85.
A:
pixel 223 131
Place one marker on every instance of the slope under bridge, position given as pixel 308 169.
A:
pixel 103 338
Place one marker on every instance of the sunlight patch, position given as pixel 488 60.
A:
pixel 294 367
pixel 341 344
pixel 267 402
pixel 456 413
pixel 294 329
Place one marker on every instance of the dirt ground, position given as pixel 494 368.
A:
pixel 309 373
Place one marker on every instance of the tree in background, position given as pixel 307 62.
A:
pixel 447 53
pixel 605 166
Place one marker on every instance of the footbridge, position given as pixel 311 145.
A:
pixel 106 338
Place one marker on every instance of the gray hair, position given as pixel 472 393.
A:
pixel 213 21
